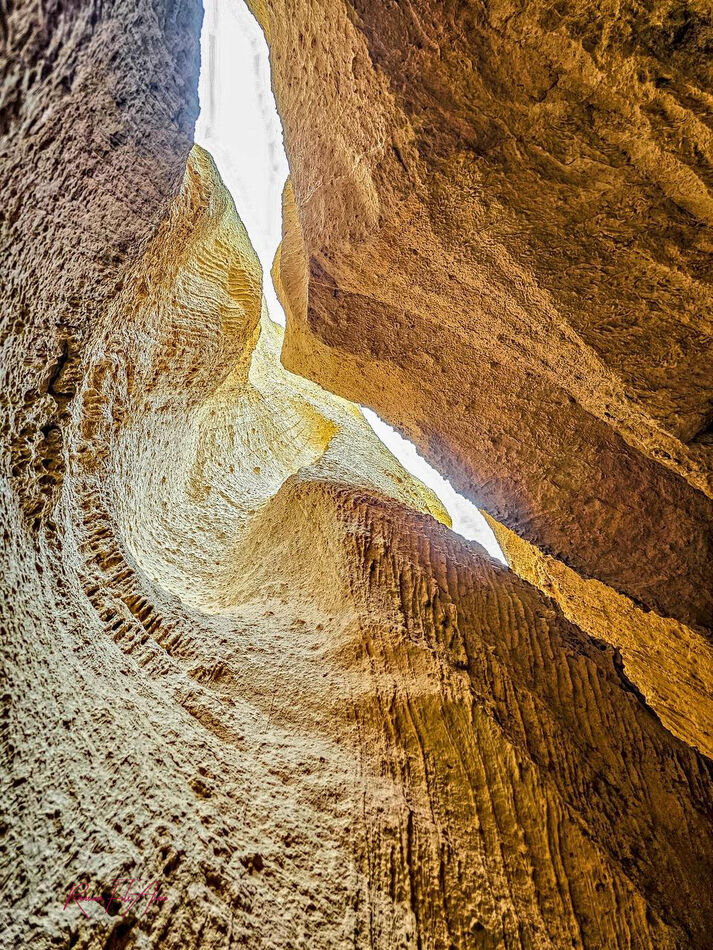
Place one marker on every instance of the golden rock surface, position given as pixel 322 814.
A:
pixel 506 213
pixel 277 681
pixel 668 662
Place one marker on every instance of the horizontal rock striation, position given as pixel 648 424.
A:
pixel 276 680
pixel 668 662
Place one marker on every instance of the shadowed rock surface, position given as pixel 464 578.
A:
pixel 242 654
pixel 670 664
pixel 505 214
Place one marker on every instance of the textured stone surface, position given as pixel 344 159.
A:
pixel 240 654
pixel 506 215
pixel 98 106
pixel 252 670
pixel 668 662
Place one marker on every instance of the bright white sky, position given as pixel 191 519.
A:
pixel 240 126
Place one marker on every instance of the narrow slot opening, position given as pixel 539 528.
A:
pixel 240 126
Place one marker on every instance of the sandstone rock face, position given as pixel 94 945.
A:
pixel 506 219
pixel 274 680
pixel 670 664
pixel 242 653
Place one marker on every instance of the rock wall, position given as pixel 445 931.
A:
pixel 242 653
pixel 506 219
pixel 669 663
pixel 99 102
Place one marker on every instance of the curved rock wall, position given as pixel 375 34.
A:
pixel 242 656
pixel 670 664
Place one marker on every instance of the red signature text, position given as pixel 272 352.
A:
pixel 125 896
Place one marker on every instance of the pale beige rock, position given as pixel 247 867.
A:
pixel 276 683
